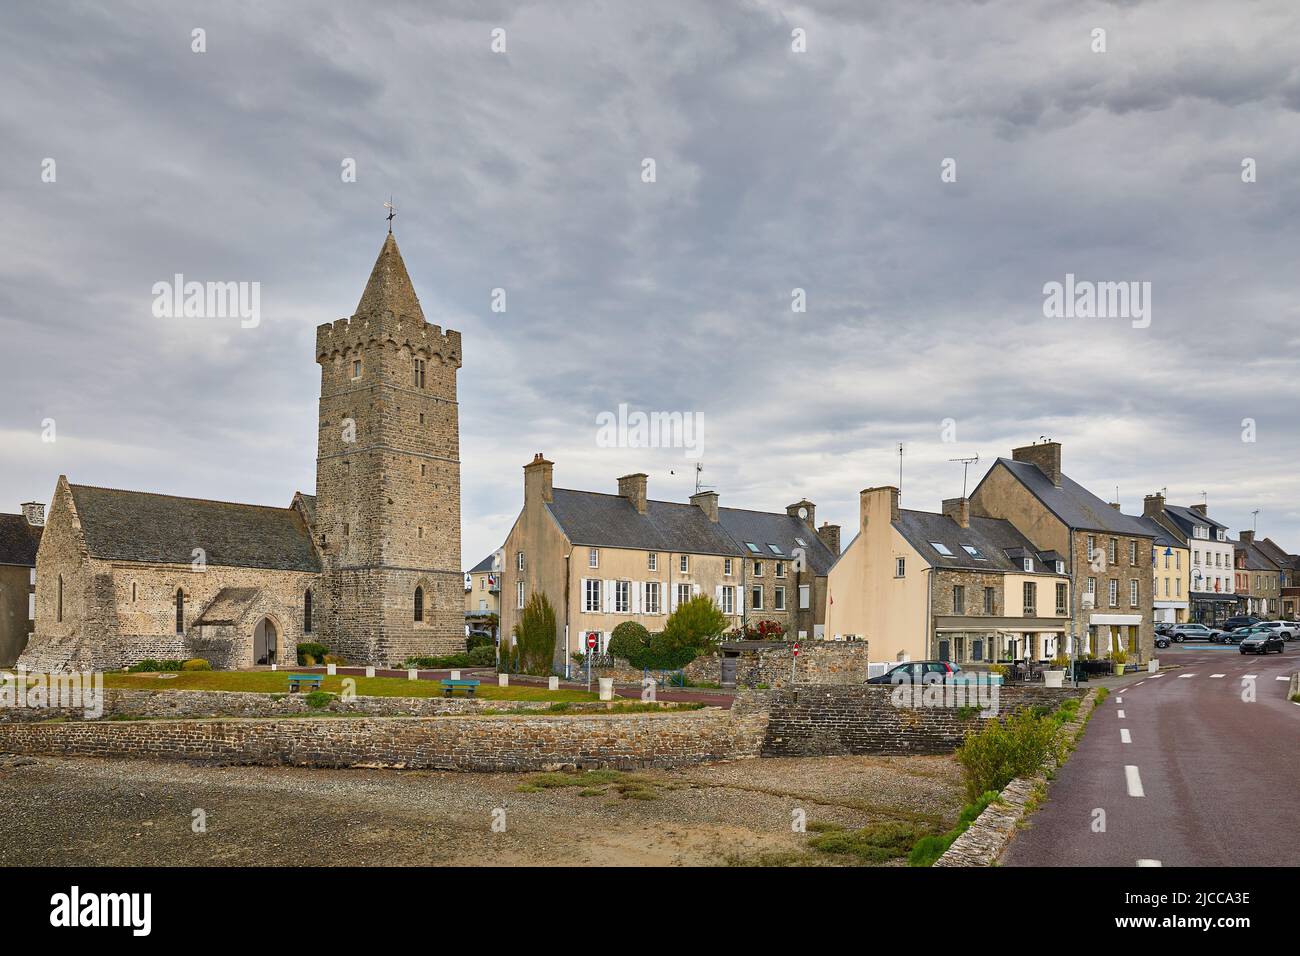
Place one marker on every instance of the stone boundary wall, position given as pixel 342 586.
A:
pixel 491 743
pixel 767 663
pixel 850 719
pixel 169 704
pixel 986 839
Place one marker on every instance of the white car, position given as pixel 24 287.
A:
pixel 1288 630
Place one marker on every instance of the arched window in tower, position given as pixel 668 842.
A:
pixel 180 611
pixel 419 604
pixel 306 612
pixel 417 376
pixel 59 616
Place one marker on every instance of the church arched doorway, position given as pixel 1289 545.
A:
pixel 265 642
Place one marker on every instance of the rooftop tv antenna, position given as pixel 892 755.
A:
pixel 900 471
pixel 965 465
pixel 1254 521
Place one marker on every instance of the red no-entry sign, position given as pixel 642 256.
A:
pixel 796 648
pixel 591 641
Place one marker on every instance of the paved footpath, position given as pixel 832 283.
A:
pixel 1187 772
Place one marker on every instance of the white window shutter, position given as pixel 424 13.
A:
pixel 609 596
pixel 740 600
pixel 672 598
pixel 717 595
pixel 695 589
pixel 636 597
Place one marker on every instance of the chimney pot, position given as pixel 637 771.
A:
pixel 958 509
pixel 1046 455
pixel 707 501
pixel 633 488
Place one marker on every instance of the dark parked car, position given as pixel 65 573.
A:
pixel 1241 620
pixel 917 672
pixel 1163 626
pixel 1259 640
pixel 1193 632
pixel 1241 633
pixel 1162 640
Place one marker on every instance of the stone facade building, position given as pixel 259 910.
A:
pixel 1107 554
pixel 603 559
pixel 1211 595
pixel 20 536
pixel 369 566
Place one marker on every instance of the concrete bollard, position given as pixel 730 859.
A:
pixel 412 674
pixel 503 680
pixel 331 669
pixel 1153 665
pixel 553 683
pixel 455 675
pixel 274 667
pixel 370 671
pixel 606 688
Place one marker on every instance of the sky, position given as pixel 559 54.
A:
pixel 921 171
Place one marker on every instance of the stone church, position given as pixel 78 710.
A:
pixel 369 566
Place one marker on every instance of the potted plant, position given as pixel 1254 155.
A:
pixel 1119 657
pixel 999 671
pixel 1055 675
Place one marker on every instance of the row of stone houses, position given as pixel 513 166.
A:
pixel 1031 565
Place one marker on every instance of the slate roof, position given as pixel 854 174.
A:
pixel 1162 535
pixel 229 606
pixel 1274 553
pixel 483 566
pixel 1186 519
pixel 18 541
pixel 765 528
pixel 1073 504
pixel 998 539
pixel 1256 560
pixel 161 529
pixel 600 520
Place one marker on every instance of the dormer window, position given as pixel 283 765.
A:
pixel 1028 565
pixel 1060 567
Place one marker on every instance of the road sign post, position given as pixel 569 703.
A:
pixel 591 649
pixel 794 661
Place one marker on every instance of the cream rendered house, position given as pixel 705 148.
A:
pixel 923 586
pixel 602 559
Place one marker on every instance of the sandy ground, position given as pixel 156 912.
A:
pixel 131 812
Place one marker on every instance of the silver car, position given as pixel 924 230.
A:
pixel 1286 629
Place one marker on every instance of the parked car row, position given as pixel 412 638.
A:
pixel 1233 630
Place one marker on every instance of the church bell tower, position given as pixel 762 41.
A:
pixel 388 476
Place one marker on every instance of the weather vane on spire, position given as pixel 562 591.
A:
pixel 392 211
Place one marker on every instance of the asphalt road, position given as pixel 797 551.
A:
pixel 1186 770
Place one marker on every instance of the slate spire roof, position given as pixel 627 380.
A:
pixel 389 288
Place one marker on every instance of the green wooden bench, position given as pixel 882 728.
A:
pixel 299 681
pixel 449 687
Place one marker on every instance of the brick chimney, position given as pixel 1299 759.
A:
pixel 958 509
pixel 707 501
pixel 1201 509
pixel 1046 455
pixel 877 500
pixel 830 535
pixel 633 488
pixel 537 479
pixel 1246 537
pixel 34 512
pixel 1116 505
pixel 1153 506
pixel 809 517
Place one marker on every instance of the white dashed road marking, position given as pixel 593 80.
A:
pixel 1149 863
pixel 1120 714
pixel 1119 700
pixel 1218 675
pixel 1124 737
pixel 1249 676
pixel 1281 678
pixel 1185 676
pixel 1154 676
pixel 1134 781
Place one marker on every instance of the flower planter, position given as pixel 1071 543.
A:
pixel 1119 670
pixel 1053 678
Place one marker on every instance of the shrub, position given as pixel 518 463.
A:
pixel 484 655
pixel 629 641
pixel 439 663
pixel 196 664
pixel 318 699
pixel 1015 746
pixel 333 659
pixel 146 666
pixel 310 653
pixel 481 640
pixel 534 636
pixel 874 843
pixel 928 849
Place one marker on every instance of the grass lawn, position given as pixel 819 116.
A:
pixel 277 682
